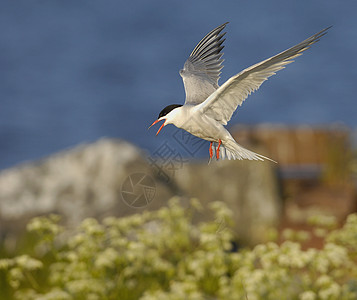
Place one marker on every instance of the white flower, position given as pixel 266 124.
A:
pixel 323 280
pixel 5 263
pixel 28 263
pixel 332 292
pixel 321 264
pixel 307 295
pixel 336 254
pixel 107 258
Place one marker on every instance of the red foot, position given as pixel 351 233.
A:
pixel 217 152
pixel 210 151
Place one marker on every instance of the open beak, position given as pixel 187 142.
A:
pixel 158 120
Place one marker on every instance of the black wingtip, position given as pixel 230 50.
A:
pixel 323 32
pixel 221 27
pixel 317 36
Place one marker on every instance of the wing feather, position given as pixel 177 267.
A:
pixel 202 69
pixel 221 104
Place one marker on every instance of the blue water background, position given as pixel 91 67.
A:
pixel 75 71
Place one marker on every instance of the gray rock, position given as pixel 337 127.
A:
pixel 112 177
pixel 82 182
pixel 249 189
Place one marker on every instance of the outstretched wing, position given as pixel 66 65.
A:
pixel 224 101
pixel 201 71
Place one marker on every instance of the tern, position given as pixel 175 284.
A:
pixel 208 107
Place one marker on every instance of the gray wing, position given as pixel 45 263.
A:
pixel 225 100
pixel 201 71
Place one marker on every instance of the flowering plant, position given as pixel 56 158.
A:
pixel 165 255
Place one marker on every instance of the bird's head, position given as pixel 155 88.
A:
pixel 167 114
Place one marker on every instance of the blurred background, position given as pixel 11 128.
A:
pixel 72 73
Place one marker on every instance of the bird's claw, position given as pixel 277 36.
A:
pixel 217 151
pixel 210 151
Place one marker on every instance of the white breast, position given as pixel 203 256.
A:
pixel 198 124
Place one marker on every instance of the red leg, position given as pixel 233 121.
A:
pixel 210 151
pixel 217 152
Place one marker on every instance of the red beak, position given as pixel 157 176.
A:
pixel 163 124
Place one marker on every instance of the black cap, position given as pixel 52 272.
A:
pixel 167 109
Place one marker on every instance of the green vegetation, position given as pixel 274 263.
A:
pixel 163 255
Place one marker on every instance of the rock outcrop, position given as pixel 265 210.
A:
pixel 249 188
pixel 112 177
pixel 85 181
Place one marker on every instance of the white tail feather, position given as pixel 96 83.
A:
pixel 232 150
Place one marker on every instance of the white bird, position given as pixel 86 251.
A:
pixel 208 106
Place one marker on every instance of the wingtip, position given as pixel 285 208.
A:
pixel 222 26
pixel 323 32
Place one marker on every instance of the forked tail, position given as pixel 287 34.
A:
pixel 232 150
